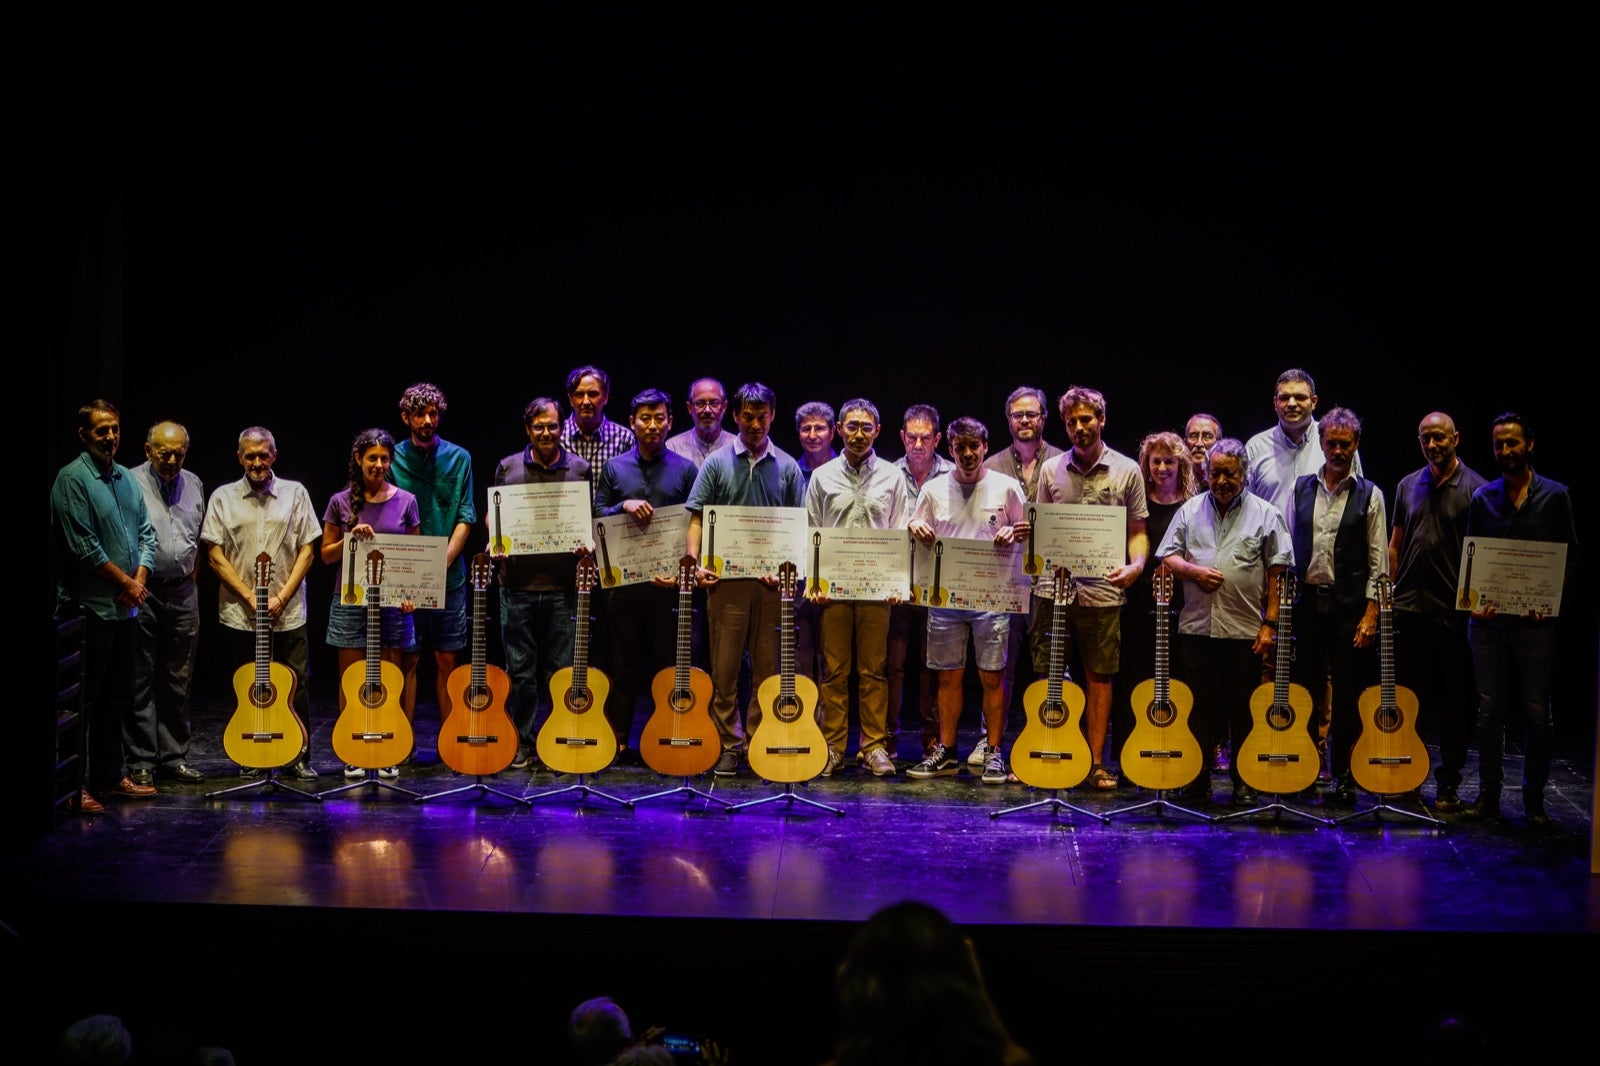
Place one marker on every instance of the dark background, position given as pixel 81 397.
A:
pixel 258 216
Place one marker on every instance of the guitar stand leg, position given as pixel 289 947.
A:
pixel 1159 805
pixel 684 789
pixel 480 789
pixel 1278 809
pixel 583 792
pixel 1375 812
pixel 791 797
pixel 1055 803
pixel 370 781
pixel 270 782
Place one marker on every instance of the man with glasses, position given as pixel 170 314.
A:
pixel 538 593
pixel 707 402
pixel 1200 433
pixel 742 614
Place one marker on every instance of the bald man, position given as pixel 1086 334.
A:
pixel 155 737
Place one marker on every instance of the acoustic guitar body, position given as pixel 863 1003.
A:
pixel 372 731
pixel 680 739
pixel 264 731
pixel 478 737
pixel 576 738
pixel 787 745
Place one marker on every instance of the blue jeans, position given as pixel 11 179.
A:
pixel 537 630
pixel 1495 647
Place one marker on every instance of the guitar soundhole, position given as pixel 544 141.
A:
pixel 578 702
pixel 786 708
pixel 372 695
pixel 263 695
pixel 1280 717
pixel 477 698
pixel 1052 713
pixel 1388 719
pixel 1162 713
pixel 682 700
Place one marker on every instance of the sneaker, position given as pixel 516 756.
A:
pixel 1446 799
pixel 879 763
pixel 352 772
pixel 980 754
pixel 939 763
pixel 524 758
pixel 728 765
pixel 250 773
pixel 994 768
pixel 835 760
pixel 389 773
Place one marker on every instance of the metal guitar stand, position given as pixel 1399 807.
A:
pixel 478 787
pixel 1278 809
pixel 583 792
pixel 370 781
pixel 269 781
pixel 1375 812
pixel 1055 803
pixel 789 795
pixel 1159 804
pixel 681 790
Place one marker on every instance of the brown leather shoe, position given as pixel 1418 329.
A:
pixel 126 787
pixel 87 804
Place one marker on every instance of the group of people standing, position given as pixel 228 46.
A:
pixel 1227 518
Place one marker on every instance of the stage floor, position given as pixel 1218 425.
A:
pixel 279 864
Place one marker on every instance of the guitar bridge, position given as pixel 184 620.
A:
pixel 1051 756
pixel 578 742
pixel 1160 753
pixel 260 738
pixel 370 737
pixel 679 742
pixel 475 740
pixel 1277 757
pixel 797 749
pixel 1390 760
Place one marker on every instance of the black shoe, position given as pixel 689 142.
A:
pixel 524 759
pixel 142 777
pixel 1244 796
pixel 1485 806
pixel 250 773
pixel 1198 790
pixel 301 770
pixel 182 772
pixel 1445 799
pixel 628 757
pixel 728 764
pixel 1344 792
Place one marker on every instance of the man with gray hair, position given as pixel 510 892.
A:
pixel 155 738
pixel 262 512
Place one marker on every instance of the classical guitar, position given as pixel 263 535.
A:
pixel 710 560
pixel 1052 751
pixel 352 593
pixel 1161 752
pixel 1279 756
pixel 576 738
pixel 499 543
pixel 1467 597
pixel 478 736
pixel 610 576
pixel 372 731
pixel 1031 563
pixel 1388 758
pixel 264 731
pixel 680 739
pixel 938 597
pixel 818 585
pixel 787 744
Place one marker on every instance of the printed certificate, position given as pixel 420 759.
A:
pixel 406 568
pixel 1090 540
pixel 1516 576
pixel 860 564
pixel 539 519
pixel 753 541
pixel 631 554
pixel 970 575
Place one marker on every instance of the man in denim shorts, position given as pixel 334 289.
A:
pixel 971 502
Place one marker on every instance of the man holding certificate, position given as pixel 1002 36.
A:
pixel 1518 505
pixel 742 613
pixel 856 490
pixel 643 625
pixel 1093 473
pixel 538 592
pixel 972 502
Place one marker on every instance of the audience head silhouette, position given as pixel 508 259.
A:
pixel 598 1031
pixel 910 991
pixel 98 1040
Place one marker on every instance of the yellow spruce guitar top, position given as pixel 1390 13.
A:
pixel 1388 758
pixel 1052 751
pixel 787 745
pixel 372 731
pixel 1161 752
pixel 264 731
pixel 1279 756
pixel 576 738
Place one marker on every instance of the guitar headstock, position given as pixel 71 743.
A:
pixel 1066 589
pixel 588 570
pixel 1285 588
pixel 786 580
pixel 686 569
pixel 481 567
pixel 1161 584
pixel 263 570
pixel 1385 593
pixel 374 567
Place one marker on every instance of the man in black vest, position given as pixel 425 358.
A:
pixel 1340 533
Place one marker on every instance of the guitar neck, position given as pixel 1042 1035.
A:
pixel 1058 651
pixel 1163 665
pixel 480 671
pixel 1283 659
pixel 580 645
pixel 786 655
pixel 1386 655
pixel 263 638
pixel 680 673
pixel 374 638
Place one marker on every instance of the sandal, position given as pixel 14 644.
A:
pixel 1102 779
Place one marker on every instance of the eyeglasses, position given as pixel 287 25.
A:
pixel 544 428
pixel 859 427
pixel 706 405
pixel 1026 416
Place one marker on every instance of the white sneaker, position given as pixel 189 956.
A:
pixel 352 772
pixel 389 773
pixel 980 754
